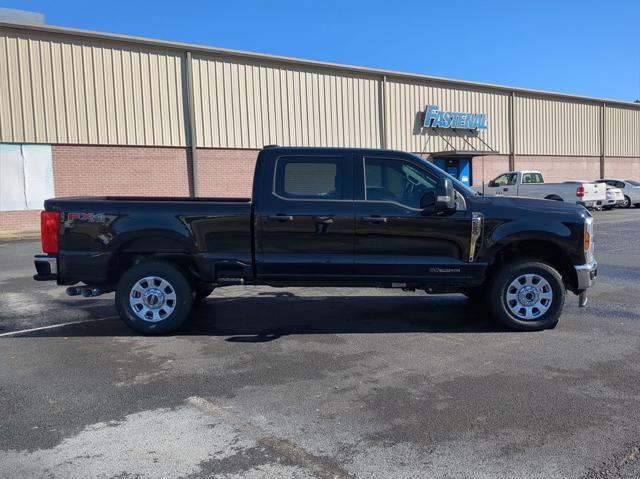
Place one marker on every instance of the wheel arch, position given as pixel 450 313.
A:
pixel 164 246
pixel 537 249
pixel 553 197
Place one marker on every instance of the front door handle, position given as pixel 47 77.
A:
pixel 505 189
pixel 280 217
pixel 374 219
pixel 323 220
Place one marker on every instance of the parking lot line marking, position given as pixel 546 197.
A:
pixel 51 326
pixel 321 467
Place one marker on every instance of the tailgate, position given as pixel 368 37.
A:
pixel 594 192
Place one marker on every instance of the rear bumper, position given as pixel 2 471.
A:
pixel 586 274
pixel 46 267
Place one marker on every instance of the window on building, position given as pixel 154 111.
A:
pixel 396 181
pixel 308 178
pixel 26 176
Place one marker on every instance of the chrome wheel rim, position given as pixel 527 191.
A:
pixel 152 299
pixel 626 202
pixel 529 296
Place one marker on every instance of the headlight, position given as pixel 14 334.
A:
pixel 588 240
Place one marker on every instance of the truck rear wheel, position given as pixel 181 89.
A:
pixel 527 296
pixel 154 297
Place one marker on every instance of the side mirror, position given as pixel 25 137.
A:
pixel 492 184
pixel 428 200
pixel 445 196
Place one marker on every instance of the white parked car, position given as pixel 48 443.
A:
pixel 531 184
pixel 614 198
pixel 630 190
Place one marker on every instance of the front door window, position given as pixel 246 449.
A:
pixel 396 182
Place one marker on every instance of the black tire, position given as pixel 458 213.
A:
pixel 202 293
pixel 178 286
pixel 554 198
pixel 497 297
pixel 627 202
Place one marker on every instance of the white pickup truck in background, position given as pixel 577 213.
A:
pixel 531 184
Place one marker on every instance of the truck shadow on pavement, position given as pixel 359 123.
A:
pixel 271 316
pixel 267 318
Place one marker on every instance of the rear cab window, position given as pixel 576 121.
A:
pixel 532 178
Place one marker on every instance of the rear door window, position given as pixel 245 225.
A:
pixel 309 178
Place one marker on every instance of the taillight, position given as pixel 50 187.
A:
pixel 580 191
pixel 49 226
pixel 588 239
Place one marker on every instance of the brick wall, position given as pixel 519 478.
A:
pixel 486 168
pixel 225 172
pixel 120 170
pixel 117 170
pixel 558 169
pixel 623 168
pixel 15 221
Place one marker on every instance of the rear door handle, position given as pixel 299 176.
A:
pixel 374 219
pixel 280 217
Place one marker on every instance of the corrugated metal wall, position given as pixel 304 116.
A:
pixel 64 88
pixel 622 131
pixel 245 105
pixel 545 126
pixel 407 101
pixel 58 90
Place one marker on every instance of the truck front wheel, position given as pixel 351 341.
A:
pixel 527 295
pixel 154 297
pixel 202 293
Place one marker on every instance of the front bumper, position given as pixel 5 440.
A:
pixel 586 274
pixel 46 267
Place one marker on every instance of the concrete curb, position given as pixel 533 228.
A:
pixel 19 235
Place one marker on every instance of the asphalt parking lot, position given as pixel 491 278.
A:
pixel 322 383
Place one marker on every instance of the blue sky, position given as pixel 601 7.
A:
pixel 584 47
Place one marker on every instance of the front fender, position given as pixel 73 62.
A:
pixel 562 236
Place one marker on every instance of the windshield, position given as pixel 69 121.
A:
pixel 633 182
pixel 460 186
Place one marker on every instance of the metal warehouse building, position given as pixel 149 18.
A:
pixel 86 113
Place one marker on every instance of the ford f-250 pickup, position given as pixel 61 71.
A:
pixel 323 217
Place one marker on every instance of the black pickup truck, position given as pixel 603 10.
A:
pixel 323 217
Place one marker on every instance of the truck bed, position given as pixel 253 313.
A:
pixel 216 232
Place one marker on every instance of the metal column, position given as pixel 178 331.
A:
pixel 382 110
pixel 191 129
pixel 512 139
pixel 603 136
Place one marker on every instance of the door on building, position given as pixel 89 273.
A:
pixel 459 168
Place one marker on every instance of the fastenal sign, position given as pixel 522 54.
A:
pixel 434 117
